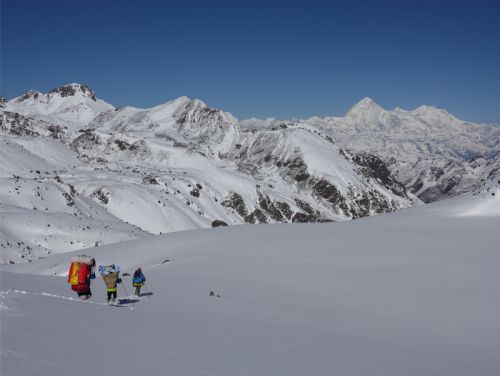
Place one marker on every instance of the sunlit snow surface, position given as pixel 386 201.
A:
pixel 409 293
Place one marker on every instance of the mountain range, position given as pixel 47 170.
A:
pixel 77 172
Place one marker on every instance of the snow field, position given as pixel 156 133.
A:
pixel 412 292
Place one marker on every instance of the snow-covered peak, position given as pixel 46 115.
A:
pixel 366 110
pixel 28 95
pixel 366 104
pixel 73 103
pixel 436 116
pixel 71 90
pixel 424 109
pixel 173 104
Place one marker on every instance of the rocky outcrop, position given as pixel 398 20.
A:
pixel 17 124
pixel 73 89
pixel 235 202
pixel 219 223
pixel 86 141
pixel 372 166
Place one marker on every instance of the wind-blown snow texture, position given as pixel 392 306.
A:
pixel 76 172
pixel 408 293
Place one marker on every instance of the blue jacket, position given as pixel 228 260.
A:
pixel 138 279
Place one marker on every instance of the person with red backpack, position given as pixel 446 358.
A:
pixel 81 273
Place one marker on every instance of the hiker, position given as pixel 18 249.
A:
pixel 111 277
pixel 81 273
pixel 138 280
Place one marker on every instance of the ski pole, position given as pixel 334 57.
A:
pixel 124 289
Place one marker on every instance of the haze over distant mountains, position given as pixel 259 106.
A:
pixel 78 172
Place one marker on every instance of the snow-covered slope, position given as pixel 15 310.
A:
pixel 177 166
pixel 434 154
pixel 40 210
pixel 408 293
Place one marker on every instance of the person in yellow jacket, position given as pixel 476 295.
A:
pixel 111 277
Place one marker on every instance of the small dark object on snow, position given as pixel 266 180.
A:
pixel 165 261
pixel 126 274
pixel 218 223
pixel 212 293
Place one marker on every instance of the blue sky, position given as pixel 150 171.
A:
pixel 266 59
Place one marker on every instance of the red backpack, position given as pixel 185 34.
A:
pixel 79 273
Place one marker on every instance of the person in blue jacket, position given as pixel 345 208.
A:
pixel 138 280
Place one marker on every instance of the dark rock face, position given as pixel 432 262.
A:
pixel 70 90
pixel 140 148
pixel 69 199
pixel 296 168
pixel 268 206
pixel 257 216
pixel 327 191
pixel 355 202
pixel 276 210
pixel 204 127
pixel 235 201
pixel 56 131
pixel 20 125
pixel 417 186
pixel 307 215
pixel 122 145
pixel 201 115
pixel 150 180
pixel 101 196
pixel 219 223
pixel 437 172
pixel 195 192
pixel 372 166
pixel 284 208
pixel 87 140
pixel 370 202
pixel 267 210
pixel 17 124
pixel 29 94
pixel 446 187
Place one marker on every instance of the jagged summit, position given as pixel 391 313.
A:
pixel 69 104
pixel 74 89
pixel 28 94
pixel 69 90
